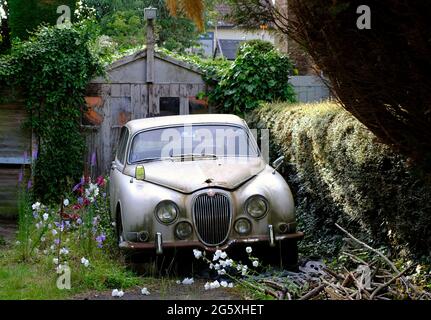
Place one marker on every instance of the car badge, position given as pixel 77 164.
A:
pixel 210 193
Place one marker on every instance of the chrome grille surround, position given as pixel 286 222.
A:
pixel 212 216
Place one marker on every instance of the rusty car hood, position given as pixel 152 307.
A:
pixel 189 176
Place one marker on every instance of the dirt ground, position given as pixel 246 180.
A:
pixel 174 291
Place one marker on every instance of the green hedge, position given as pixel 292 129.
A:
pixel 340 173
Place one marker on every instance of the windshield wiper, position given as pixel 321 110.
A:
pixel 151 159
pixel 195 155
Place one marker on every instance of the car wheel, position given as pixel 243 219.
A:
pixel 119 227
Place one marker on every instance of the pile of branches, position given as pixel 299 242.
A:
pixel 372 278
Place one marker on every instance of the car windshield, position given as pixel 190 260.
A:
pixel 192 142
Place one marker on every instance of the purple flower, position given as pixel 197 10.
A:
pixel 78 221
pixel 77 186
pixel 29 184
pixel 20 176
pixel 93 159
pixel 100 239
pixel 57 241
pixel 80 201
pixel 25 156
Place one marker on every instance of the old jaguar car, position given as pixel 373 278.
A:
pixel 198 181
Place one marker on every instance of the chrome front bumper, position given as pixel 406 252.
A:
pixel 159 245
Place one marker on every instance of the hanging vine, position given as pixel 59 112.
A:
pixel 52 70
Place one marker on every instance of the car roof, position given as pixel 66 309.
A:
pixel 154 122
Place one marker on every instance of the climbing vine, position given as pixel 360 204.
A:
pixel 52 70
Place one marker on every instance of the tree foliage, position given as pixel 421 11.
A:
pixel 259 73
pixel 27 15
pixel 123 21
pixel 52 70
pixel 380 75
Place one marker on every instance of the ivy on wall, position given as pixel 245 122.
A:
pixel 52 70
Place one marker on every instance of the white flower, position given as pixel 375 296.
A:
pixel 207 286
pixel 43 239
pixel 117 293
pixel 54 232
pixel 64 251
pixel 217 255
pixel 113 224
pixel 223 284
pixel 178 281
pixel 17 243
pixel 230 285
pixel 36 206
pixel 244 270
pixel 216 266
pixel 85 262
pixel 215 285
pixel 45 251
pixel 255 263
pixel 229 262
pixel 55 260
pixel 248 250
pixel 52 247
pixel 45 216
pixel 38 225
pixel 418 269
pixel 145 292
pixel 223 255
pixel 188 281
pixel 197 253
pixel 223 263
pixel 239 267
pixel 66 202
pixel 221 272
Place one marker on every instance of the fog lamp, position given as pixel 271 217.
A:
pixel 242 226
pixel 183 230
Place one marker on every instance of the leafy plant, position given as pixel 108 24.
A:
pixel 259 73
pixel 52 70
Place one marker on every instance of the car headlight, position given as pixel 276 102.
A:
pixel 256 206
pixel 183 230
pixel 242 226
pixel 167 211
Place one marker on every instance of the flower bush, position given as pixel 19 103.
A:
pixel 227 268
pixel 77 233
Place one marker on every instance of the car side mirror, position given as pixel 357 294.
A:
pixel 277 163
pixel 140 172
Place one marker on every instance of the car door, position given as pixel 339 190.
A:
pixel 117 167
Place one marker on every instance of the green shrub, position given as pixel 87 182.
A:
pixel 52 70
pixel 259 73
pixel 341 174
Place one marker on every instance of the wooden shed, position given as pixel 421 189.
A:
pixel 15 152
pixel 145 84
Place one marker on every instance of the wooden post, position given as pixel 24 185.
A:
pixel 150 15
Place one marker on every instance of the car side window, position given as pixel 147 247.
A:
pixel 124 136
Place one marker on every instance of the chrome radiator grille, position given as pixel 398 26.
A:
pixel 212 215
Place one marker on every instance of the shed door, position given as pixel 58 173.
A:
pixel 14 142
